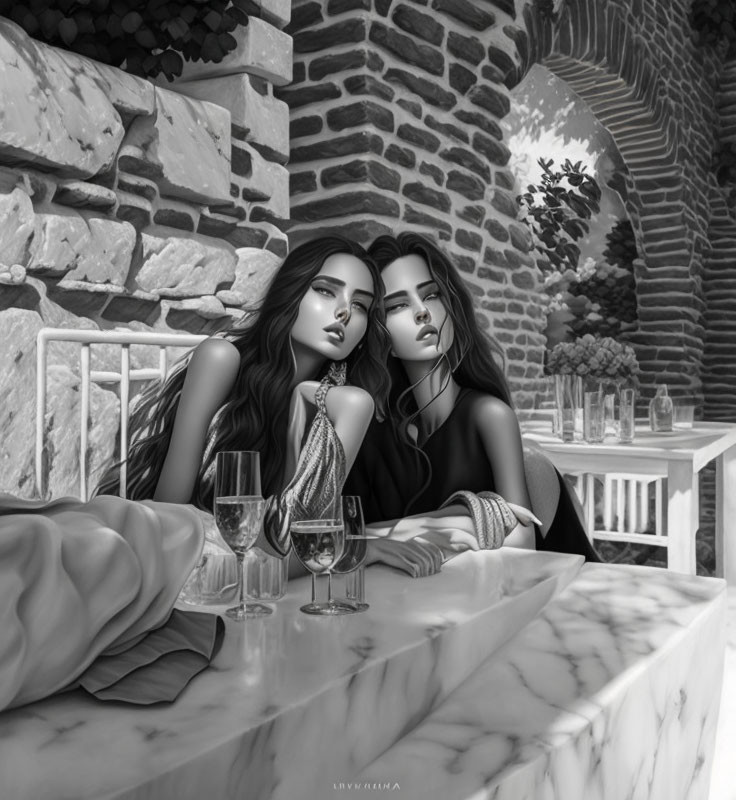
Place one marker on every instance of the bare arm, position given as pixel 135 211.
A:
pixel 499 432
pixel 350 410
pixel 210 377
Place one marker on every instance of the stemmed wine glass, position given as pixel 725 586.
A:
pixel 355 552
pixel 239 509
pixel 318 539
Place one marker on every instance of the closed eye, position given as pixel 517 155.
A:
pixel 395 306
pixel 323 291
pixel 360 306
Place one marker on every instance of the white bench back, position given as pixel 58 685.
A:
pixel 88 339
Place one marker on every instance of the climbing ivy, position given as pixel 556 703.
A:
pixel 145 38
pixel 713 22
pixel 556 211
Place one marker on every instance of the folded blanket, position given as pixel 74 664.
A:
pixel 81 579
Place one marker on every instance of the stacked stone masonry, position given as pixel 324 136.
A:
pixel 395 110
pixel 655 91
pixel 719 277
pixel 125 203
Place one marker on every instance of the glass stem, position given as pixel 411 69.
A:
pixel 314 588
pixel 329 586
pixel 241 582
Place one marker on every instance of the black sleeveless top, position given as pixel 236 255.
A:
pixel 394 481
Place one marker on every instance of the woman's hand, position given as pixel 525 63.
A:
pixel 417 558
pixel 450 534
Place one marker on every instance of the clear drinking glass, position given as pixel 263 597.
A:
pixel 318 542
pixel 239 509
pixel 627 414
pixel 356 549
pixel 593 417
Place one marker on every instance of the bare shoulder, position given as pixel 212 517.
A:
pixel 215 361
pixel 217 355
pixel 349 400
pixel 489 410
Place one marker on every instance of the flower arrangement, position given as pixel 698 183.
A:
pixel 597 357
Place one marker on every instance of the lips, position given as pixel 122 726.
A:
pixel 426 331
pixel 337 330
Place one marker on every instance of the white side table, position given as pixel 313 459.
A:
pixel 679 456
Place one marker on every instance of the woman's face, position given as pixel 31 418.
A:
pixel 333 314
pixel 416 317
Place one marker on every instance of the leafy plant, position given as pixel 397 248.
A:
pixel 723 163
pixel 145 37
pixel 714 22
pixel 597 357
pixel 556 212
pixel 546 10
pixel 621 245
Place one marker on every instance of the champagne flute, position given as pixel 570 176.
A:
pixel 239 509
pixel 355 552
pixel 318 539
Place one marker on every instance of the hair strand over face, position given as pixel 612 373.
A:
pixel 255 414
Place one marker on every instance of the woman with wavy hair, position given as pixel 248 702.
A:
pixel 256 385
pixel 450 452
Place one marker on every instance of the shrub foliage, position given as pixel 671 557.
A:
pixel 144 37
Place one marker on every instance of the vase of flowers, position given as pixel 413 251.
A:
pixel 606 367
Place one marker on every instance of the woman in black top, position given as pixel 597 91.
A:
pixel 450 426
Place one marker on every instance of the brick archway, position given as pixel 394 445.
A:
pixel 633 72
pixel 395 108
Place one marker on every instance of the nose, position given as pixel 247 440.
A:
pixel 342 314
pixel 422 315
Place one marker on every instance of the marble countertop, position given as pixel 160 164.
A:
pixel 611 693
pixel 291 701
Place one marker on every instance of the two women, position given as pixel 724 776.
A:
pixel 449 425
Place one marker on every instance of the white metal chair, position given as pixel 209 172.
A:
pixel 87 339
pixel 625 507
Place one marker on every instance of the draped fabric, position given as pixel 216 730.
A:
pixel 320 470
pixel 394 481
pixel 78 580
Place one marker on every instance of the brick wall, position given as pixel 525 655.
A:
pixel 719 278
pixel 395 110
pixel 635 64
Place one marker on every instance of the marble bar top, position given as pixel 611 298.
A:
pixel 291 702
pixel 612 693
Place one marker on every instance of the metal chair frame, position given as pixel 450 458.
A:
pixel 88 376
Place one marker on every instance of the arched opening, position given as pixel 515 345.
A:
pixel 596 294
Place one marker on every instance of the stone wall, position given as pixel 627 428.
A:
pixel 395 108
pixel 637 67
pixel 719 376
pixel 129 204
pixel 394 125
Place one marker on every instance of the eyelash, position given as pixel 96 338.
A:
pixel 329 293
pixel 428 296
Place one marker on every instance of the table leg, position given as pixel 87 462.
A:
pixel 726 516
pixel 683 512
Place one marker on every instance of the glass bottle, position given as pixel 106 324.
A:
pixel 660 410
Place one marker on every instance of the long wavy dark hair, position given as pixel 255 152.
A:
pixel 473 358
pixel 255 414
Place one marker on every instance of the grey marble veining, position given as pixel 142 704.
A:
pixel 292 701
pixel 613 692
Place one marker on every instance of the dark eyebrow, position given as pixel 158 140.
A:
pixel 402 293
pixel 341 284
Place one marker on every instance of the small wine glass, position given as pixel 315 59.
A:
pixel 239 509
pixel 318 539
pixel 355 552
